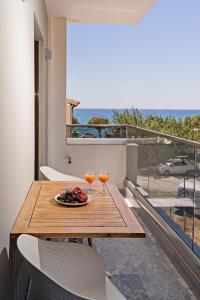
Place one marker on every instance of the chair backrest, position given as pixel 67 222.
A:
pixel 54 175
pixel 62 270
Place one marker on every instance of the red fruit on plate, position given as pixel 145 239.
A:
pixel 83 198
pixel 77 190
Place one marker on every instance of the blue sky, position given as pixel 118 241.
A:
pixel 154 64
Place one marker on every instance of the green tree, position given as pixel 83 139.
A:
pixel 99 121
pixel 188 128
pixel 128 116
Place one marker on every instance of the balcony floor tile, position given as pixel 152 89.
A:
pixel 141 270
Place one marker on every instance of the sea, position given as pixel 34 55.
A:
pixel 85 114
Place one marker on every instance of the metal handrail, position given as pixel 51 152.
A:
pixel 97 125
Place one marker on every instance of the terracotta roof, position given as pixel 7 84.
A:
pixel 72 102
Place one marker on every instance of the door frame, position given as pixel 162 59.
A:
pixel 40 104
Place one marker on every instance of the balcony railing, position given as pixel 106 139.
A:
pixel 168 169
pixel 97 131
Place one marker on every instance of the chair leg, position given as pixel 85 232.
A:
pixel 90 242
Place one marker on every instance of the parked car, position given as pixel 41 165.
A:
pixel 178 166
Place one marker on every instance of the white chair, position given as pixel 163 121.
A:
pixel 54 175
pixel 65 271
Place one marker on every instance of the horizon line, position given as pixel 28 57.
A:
pixel 124 108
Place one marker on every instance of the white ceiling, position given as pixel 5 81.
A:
pixel 99 11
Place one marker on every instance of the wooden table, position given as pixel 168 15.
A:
pixel 106 216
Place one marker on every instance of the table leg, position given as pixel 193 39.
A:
pixel 19 278
pixel 90 242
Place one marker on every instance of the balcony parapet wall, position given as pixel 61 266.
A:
pixel 96 141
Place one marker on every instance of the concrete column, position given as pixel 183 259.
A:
pixel 132 162
pixel 69 113
pixel 57 93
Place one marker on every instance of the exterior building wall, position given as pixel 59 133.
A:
pixel 97 157
pixel 17 30
pixel 69 114
pixel 57 93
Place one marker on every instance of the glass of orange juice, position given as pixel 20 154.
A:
pixel 90 177
pixel 104 177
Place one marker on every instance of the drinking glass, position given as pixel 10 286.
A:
pixel 104 177
pixel 90 177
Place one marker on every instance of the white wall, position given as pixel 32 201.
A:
pixel 57 93
pixel 99 157
pixel 17 106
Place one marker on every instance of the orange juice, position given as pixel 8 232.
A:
pixel 103 178
pixel 90 178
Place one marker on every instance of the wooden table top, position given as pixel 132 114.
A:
pixel 106 216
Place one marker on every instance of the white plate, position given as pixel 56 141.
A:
pixel 90 199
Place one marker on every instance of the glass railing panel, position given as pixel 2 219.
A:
pixel 96 131
pixel 166 167
pixel 167 171
pixel 134 133
pixel 196 223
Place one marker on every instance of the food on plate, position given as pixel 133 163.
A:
pixel 77 195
